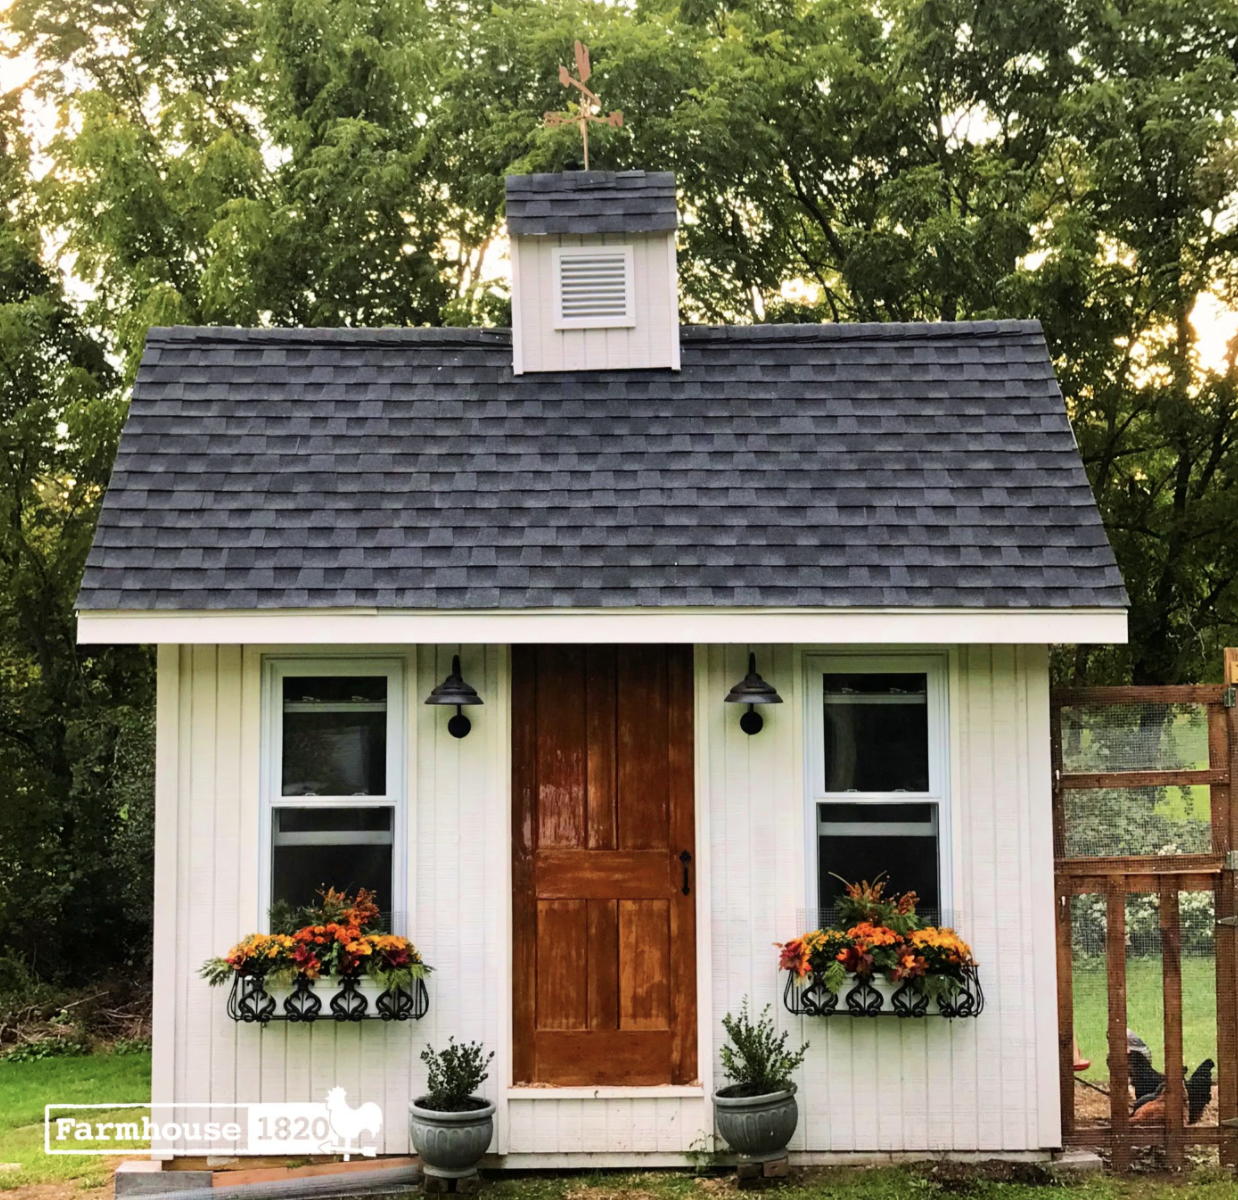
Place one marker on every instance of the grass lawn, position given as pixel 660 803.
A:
pixel 26 1087
pixel 1145 1012
pixel 855 1183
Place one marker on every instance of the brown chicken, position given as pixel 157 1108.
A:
pixel 1151 1112
pixel 1197 1092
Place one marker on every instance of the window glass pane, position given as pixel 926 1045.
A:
pixel 335 735
pixel 343 848
pixel 910 862
pixel 324 820
pixel 884 816
pixel 876 732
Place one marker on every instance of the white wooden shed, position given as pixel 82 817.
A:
pixel 604 516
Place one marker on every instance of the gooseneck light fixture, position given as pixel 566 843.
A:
pixel 453 690
pixel 751 690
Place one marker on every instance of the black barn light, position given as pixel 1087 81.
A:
pixel 453 690
pixel 750 690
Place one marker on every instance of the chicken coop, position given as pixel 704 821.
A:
pixel 1146 842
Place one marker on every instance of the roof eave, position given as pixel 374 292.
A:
pixel 826 626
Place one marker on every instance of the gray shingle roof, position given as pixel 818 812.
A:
pixel 592 202
pixel 795 465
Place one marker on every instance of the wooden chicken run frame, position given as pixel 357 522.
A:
pixel 1112 879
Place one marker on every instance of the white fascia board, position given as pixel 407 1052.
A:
pixel 827 626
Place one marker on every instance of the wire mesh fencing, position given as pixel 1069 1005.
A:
pixel 1146 973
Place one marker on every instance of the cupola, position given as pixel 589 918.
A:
pixel 594 280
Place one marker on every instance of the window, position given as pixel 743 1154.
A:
pixel 334 779
pixel 877 776
pixel 593 287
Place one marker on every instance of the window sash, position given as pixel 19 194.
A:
pixel 932 666
pixel 275 671
pixel 926 829
pixel 935 667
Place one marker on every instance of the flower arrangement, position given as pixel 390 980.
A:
pixel 339 937
pixel 880 935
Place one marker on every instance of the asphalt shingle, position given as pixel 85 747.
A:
pixel 802 466
pixel 592 202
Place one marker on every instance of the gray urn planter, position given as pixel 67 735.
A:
pixel 450 1144
pixel 758 1128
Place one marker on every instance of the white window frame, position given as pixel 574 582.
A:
pixel 274 672
pixel 626 321
pixel 935 666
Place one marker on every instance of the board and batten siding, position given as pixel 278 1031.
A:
pixel 887 1084
pixel 208 826
pixel 653 339
pixel 884 1085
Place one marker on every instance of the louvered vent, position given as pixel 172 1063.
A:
pixel 593 287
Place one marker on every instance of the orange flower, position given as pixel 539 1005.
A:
pixel 874 935
pixel 795 956
pixel 910 966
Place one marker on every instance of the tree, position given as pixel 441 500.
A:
pixel 1144 229
pixel 341 162
pixel 75 801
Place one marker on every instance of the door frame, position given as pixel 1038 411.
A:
pixel 702 704
pixel 696 840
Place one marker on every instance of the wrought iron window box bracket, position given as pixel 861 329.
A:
pixel 809 997
pixel 251 1003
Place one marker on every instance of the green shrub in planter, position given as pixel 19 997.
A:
pixel 451 1126
pixel 756 1112
pixel 454 1075
pixel 755 1058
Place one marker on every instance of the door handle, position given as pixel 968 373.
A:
pixel 685 858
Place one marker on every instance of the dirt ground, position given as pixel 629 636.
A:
pixel 59 1190
pixel 1092 1107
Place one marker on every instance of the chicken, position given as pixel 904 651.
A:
pixel 1150 1109
pixel 348 1124
pixel 1199 1091
pixel 1145 1078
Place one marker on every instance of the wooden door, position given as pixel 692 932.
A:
pixel 604 929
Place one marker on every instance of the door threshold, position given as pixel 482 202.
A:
pixel 657 1091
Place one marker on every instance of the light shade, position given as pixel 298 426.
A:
pixel 752 689
pixel 454 691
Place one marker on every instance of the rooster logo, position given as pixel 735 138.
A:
pixel 348 1124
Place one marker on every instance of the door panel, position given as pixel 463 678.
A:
pixel 642 767
pixel 604 938
pixel 562 935
pixel 645 950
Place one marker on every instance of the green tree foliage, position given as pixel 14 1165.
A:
pixel 341 162
pixel 322 162
pixel 75 743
